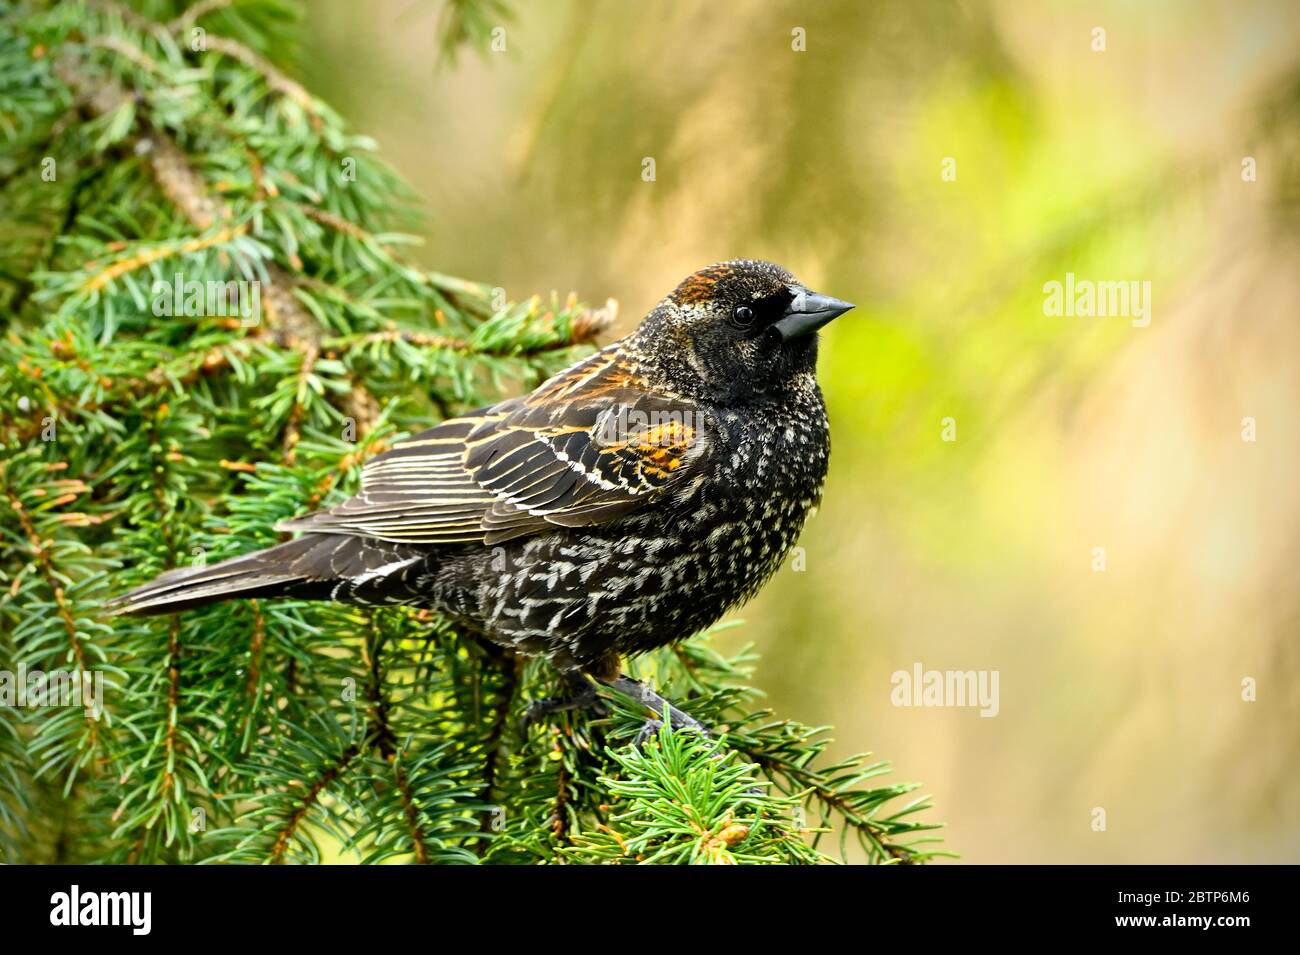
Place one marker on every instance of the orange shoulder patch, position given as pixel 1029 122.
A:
pixel 699 287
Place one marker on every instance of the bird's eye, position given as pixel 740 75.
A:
pixel 742 316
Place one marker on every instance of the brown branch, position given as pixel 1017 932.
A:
pixel 256 652
pixel 41 553
pixel 194 13
pixel 180 182
pixel 387 745
pixel 273 77
pixel 281 845
pixel 190 369
pixel 257 645
pixel 335 222
pixel 345 464
pixel 292 324
pixel 147 257
pixel 170 744
pixel 131 18
pixel 275 80
pixel 362 407
pixel 831 798
pixel 293 428
pixel 422 339
pixel 214 360
pixel 559 809
pixel 125 49
pixel 509 667
pixel 410 810
pixel 585 328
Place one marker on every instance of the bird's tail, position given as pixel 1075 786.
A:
pixel 308 567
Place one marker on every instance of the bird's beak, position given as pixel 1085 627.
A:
pixel 807 312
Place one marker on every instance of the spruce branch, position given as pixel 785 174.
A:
pixel 138 438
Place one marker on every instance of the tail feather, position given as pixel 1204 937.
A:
pixel 313 567
pixel 264 573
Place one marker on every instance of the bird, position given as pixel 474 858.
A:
pixel 628 502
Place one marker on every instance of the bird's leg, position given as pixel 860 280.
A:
pixel 582 695
pixel 681 720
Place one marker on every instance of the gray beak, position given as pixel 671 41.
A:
pixel 807 312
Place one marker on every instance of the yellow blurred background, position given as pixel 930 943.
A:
pixel 938 163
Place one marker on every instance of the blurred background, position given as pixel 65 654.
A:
pixel 1169 156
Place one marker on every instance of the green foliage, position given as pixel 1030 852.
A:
pixel 470 23
pixel 139 154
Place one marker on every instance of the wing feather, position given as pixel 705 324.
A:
pixel 590 445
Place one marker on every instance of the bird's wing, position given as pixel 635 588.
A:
pixel 590 445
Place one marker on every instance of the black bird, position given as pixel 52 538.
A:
pixel 628 502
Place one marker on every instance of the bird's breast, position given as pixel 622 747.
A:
pixel 667 571
pixel 766 481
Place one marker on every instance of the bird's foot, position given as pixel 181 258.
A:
pixel 582 697
pixel 680 719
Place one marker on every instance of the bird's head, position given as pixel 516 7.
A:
pixel 738 328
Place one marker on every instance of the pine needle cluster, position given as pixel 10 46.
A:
pixel 151 154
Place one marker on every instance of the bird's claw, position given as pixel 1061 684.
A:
pixel 584 698
pixel 649 729
pixel 680 720
pixel 534 712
